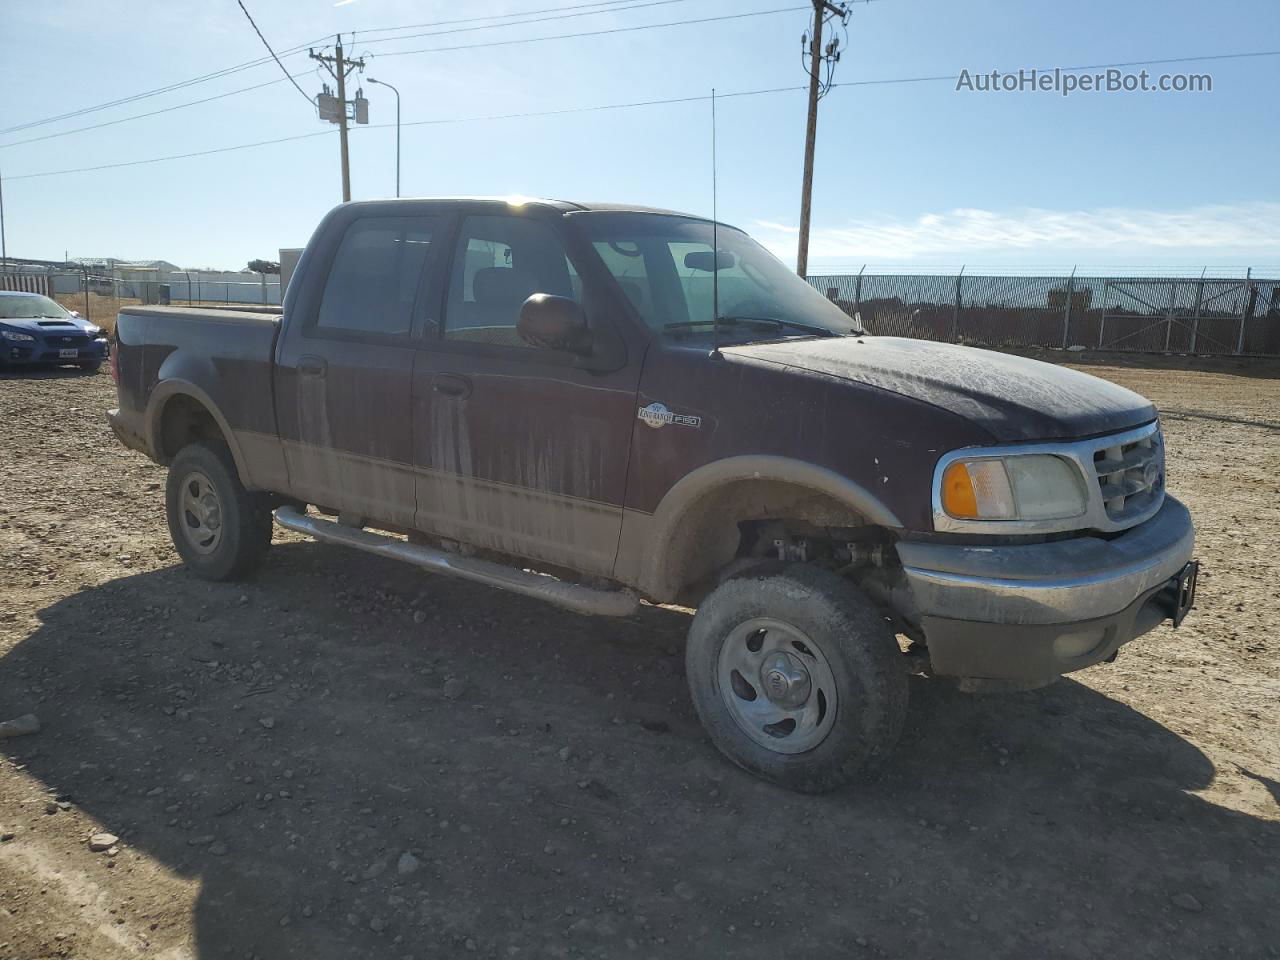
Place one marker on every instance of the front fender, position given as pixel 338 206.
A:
pixel 652 548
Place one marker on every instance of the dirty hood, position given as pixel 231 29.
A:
pixel 1013 398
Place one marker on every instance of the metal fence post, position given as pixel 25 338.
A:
pixel 85 269
pixel 1066 315
pixel 955 312
pixel 1102 317
pixel 1195 316
pixel 1246 309
pixel 857 288
pixel 1168 316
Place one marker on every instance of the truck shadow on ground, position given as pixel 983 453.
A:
pixel 287 741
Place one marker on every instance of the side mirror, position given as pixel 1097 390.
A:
pixel 554 323
pixel 75 313
pixel 705 261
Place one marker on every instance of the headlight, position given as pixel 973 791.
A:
pixel 14 335
pixel 93 331
pixel 1027 487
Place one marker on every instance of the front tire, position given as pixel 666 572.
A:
pixel 797 678
pixel 219 528
pixel 93 366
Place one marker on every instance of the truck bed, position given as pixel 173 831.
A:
pixel 223 358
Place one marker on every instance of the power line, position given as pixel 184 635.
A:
pixel 496 16
pixel 288 52
pixel 622 106
pixel 473 46
pixel 415 123
pixel 489 26
pixel 151 113
pixel 168 88
pixel 287 74
pixel 595 33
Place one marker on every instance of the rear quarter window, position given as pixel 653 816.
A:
pixel 374 280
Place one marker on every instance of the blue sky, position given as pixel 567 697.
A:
pixel 908 174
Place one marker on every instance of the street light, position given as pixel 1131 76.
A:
pixel 383 83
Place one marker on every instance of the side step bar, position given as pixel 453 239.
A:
pixel 571 596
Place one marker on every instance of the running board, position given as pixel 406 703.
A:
pixel 571 596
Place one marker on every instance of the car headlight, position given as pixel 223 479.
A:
pixel 93 331
pixel 1025 487
pixel 14 335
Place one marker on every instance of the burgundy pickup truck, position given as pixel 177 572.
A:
pixel 602 405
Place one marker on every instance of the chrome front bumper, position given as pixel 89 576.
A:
pixel 1029 612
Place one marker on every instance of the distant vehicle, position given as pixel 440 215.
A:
pixel 36 330
pixel 543 396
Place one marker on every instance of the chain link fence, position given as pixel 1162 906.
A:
pixel 1206 316
pixel 97 294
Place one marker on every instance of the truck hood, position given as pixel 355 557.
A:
pixel 1012 398
pixel 33 325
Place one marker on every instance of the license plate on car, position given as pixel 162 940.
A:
pixel 1185 591
pixel 70 354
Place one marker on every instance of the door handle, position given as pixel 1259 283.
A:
pixel 452 385
pixel 312 366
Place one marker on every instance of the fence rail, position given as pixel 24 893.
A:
pixel 98 295
pixel 1197 315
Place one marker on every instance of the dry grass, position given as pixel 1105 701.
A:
pixel 99 309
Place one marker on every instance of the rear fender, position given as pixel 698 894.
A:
pixel 160 397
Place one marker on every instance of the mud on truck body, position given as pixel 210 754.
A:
pixel 544 397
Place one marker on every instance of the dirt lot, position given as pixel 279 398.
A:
pixel 347 758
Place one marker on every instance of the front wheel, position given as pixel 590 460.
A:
pixel 220 529
pixel 796 677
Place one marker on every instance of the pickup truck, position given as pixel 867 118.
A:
pixel 599 405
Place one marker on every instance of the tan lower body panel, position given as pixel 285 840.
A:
pixel 575 533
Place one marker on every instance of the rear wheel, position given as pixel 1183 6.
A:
pixel 797 678
pixel 220 529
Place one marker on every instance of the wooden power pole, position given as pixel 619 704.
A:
pixel 817 56
pixel 339 67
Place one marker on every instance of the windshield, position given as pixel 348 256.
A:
pixel 664 265
pixel 30 306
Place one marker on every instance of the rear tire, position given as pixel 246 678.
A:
pixel 220 529
pixel 797 678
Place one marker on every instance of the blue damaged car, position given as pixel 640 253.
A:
pixel 37 330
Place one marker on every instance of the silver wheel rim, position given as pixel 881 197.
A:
pixel 200 513
pixel 778 686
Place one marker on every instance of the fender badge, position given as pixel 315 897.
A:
pixel 657 415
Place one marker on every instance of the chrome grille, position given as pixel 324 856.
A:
pixel 1131 476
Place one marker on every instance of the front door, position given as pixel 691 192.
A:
pixel 345 371
pixel 520 449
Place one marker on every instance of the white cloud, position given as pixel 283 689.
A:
pixel 967 234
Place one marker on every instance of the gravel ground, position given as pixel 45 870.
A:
pixel 348 758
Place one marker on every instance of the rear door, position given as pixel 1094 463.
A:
pixel 520 449
pixel 345 369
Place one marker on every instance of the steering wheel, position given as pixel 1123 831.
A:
pixel 616 247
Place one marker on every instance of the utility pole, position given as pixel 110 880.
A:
pixel 4 250
pixel 822 11
pixel 339 67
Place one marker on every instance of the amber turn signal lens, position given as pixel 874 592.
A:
pixel 958 497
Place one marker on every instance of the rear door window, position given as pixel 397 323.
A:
pixel 374 282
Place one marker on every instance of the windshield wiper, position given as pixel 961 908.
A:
pixel 780 324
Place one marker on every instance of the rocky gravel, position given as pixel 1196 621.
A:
pixel 347 758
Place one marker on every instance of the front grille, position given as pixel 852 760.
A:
pixel 1131 476
pixel 58 342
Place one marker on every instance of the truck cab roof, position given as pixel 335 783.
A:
pixel 564 206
